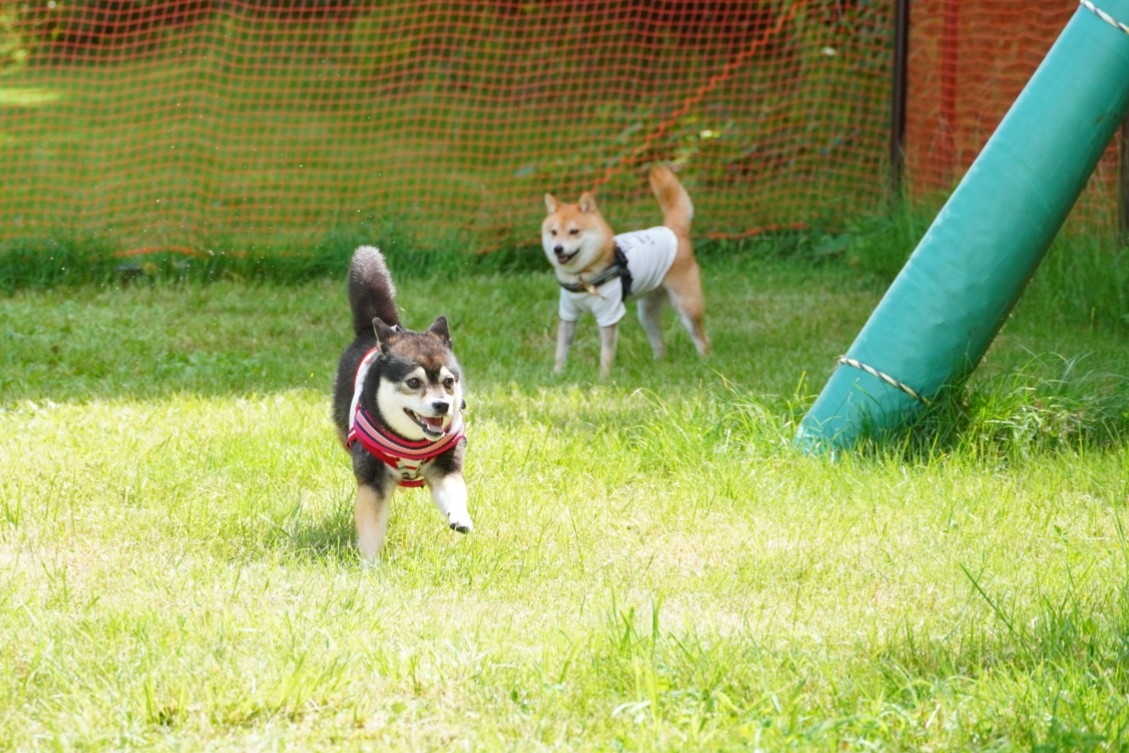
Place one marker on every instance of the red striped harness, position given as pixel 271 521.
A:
pixel 404 456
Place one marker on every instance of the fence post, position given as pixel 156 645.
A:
pixel 898 97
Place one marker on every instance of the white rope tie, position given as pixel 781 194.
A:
pixel 1104 16
pixel 885 378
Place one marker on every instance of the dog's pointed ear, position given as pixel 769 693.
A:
pixel 551 203
pixel 383 332
pixel 587 203
pixel 440 330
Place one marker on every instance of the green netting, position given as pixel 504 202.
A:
pixel 221 124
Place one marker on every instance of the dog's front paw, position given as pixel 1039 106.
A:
pixel 450 497
pixel 459 521
pixel 462 525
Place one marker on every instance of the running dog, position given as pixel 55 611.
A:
pixel 599 270
pixel 397 405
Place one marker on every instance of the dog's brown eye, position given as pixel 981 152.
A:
pixel 574 231
pixel 449 383
pixel 414 382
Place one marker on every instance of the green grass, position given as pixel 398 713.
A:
pixel 654 567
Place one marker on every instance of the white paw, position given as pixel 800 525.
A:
pixel 460 523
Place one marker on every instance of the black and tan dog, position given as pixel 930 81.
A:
pixel 397 404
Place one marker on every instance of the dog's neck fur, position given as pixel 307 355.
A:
pixel 604 260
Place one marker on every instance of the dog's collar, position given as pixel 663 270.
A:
pixel 618 269
pixel 404 456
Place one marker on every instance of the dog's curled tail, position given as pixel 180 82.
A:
pixel 371 292
pixel 677 208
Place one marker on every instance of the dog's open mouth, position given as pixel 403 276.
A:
pixel 431 425
pixel 563 258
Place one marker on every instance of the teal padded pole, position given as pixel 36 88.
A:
pixel 939 316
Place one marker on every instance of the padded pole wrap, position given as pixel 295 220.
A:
pixel 939 316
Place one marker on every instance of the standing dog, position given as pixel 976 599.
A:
pixel 397 404
pixel 598 270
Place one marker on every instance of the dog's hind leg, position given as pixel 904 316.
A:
pixel 372 520
pixel 687 301
pixel 650 316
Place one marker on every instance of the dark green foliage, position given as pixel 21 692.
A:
pixel 37 264
pixel 46 264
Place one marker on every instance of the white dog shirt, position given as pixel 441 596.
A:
pixel 649 254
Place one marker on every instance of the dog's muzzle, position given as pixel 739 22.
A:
pixel 562 257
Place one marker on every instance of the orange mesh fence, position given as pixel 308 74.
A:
pixel 259 124
pixel 968 63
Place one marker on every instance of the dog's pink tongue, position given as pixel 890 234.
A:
pixel 435 423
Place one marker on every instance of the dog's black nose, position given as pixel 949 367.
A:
pixel 558 249
pixel 441 407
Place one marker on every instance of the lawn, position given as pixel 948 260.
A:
pixel 654 565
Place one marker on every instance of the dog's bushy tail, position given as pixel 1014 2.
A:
pixel 677 208
pixel 371 292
